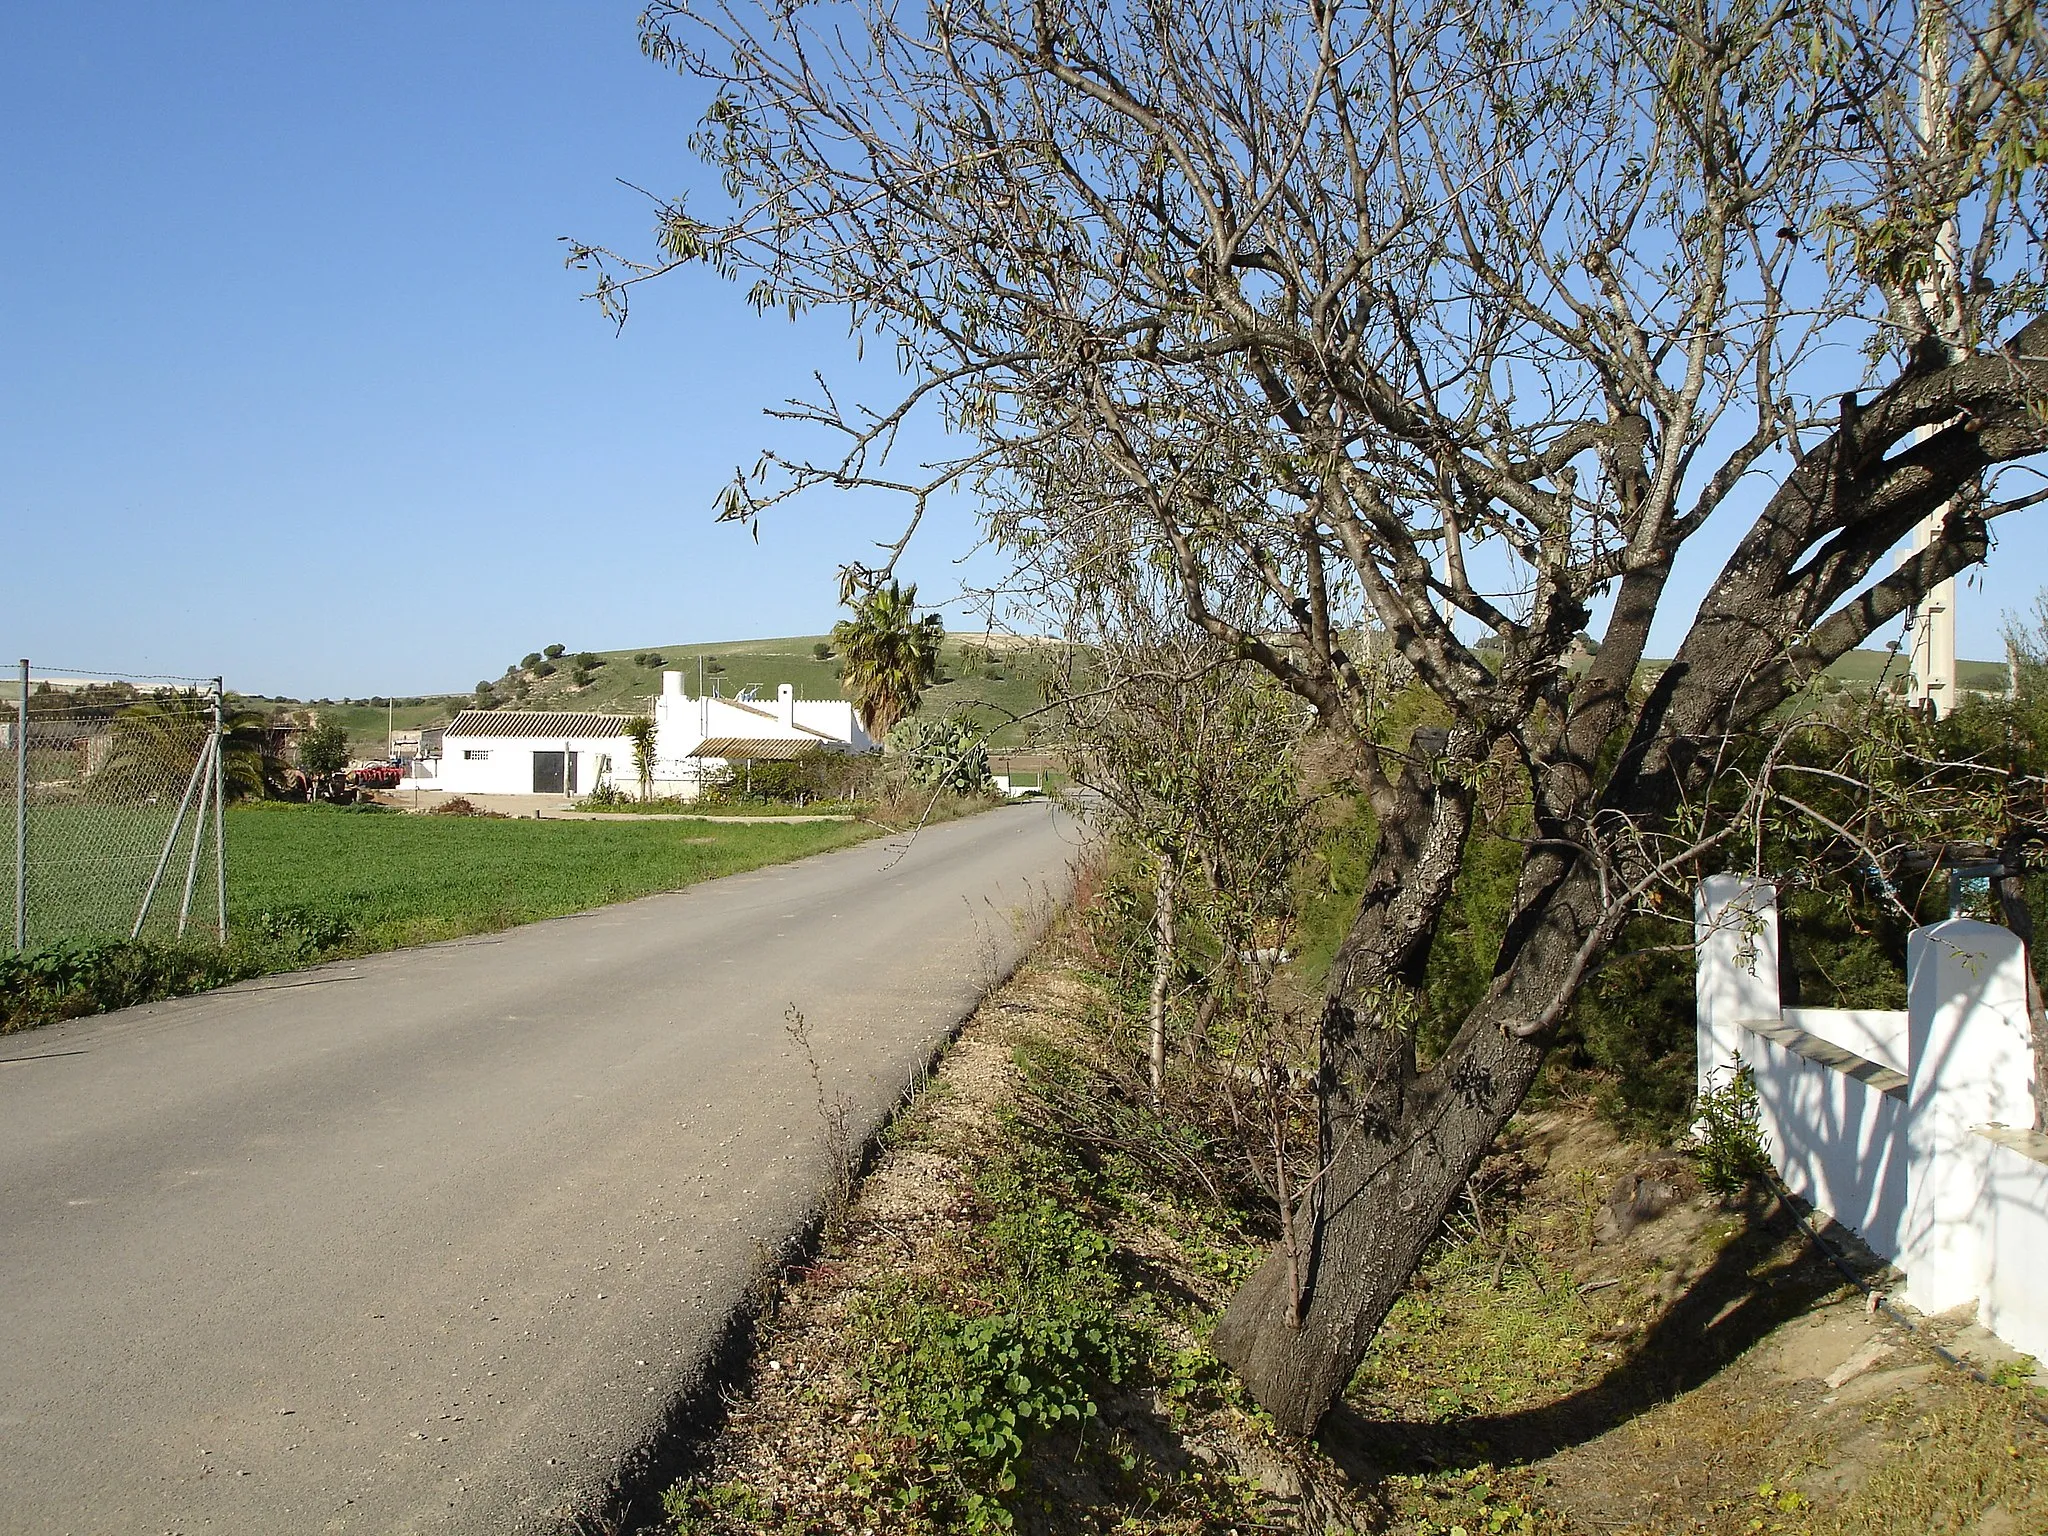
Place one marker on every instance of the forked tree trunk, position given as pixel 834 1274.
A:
pixel 1398 1147
pixel 1374 1216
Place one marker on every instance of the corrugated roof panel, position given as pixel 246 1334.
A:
pixel 761 749
pixel 548 724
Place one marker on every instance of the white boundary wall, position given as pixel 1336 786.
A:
pixel 1911 1128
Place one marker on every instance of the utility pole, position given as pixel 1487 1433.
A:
pixel 21 815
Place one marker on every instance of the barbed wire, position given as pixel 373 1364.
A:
pixel 64 674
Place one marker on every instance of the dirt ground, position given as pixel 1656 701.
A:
pixel 1597 1346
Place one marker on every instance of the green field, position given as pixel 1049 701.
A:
pixel 397 879
pixel 350 881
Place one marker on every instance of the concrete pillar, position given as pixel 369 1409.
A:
pixel 1971 1063
pixel 1735 933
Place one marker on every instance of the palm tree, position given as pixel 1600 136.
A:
pixel 888 656
pixel 156 742
pixel 640 731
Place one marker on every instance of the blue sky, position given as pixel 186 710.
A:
pixel 298 391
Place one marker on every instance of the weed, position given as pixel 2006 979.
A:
pixel 1482 1501
pixel 966 1376
pixel 1728 1140
pixel 64 981
pixel 714 1509
pixel 2016 1374
pixel 835 1124
pixel 300 933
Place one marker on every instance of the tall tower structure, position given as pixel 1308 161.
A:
pixel 1932 682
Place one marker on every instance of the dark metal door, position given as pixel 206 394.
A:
pixel 547 773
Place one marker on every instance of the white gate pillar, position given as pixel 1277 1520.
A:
pixel 1971 1063
pixel 1735 933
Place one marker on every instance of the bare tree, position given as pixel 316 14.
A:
pixel 1429 323
pixel 1190 760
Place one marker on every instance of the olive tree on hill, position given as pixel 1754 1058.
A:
pixel 1438 323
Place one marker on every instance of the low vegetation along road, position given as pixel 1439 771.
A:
pixel 438 1240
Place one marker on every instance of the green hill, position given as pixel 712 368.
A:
pixel 991 680
pixel 1863 669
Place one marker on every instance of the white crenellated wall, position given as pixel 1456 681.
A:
pixel 1913 1128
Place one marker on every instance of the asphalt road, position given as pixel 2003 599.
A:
pixel 434 1241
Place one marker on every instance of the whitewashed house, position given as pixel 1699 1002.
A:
pixel 529 752
pixel 697 742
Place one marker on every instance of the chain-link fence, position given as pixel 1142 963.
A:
pixel 113 790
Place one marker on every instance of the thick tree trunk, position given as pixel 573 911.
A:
pixel 1383 1199
pixel 1399 1147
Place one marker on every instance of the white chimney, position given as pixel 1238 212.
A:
pixel 785 706
pixel 672 684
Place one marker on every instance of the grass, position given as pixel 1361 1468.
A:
pixel 707 808
pixel 309 883
pixel 92 863
pixel 412 879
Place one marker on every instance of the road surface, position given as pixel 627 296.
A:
pixel 434 1241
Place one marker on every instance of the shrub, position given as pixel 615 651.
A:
pixel 588 661
pixel 817 775
pixel 530 660
pixel 947 753
pixel 822 651
pixel 1728 1139
pixel 654 659
pixel 544 669
pixel 580 678
pixel 553 652
pixel 324 749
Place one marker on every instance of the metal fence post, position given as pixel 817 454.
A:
pixel 220 820
pixel 21 815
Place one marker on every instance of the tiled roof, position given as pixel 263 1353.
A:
pixel 549 724
pixel 762 749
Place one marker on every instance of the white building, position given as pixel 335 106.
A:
pixel 697 741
